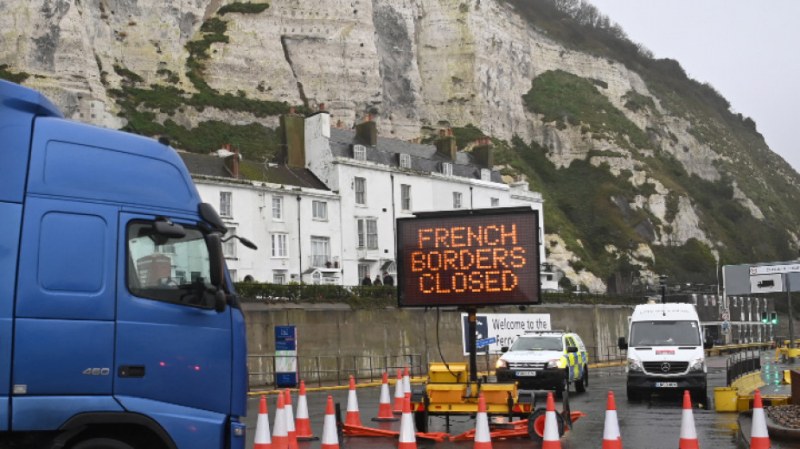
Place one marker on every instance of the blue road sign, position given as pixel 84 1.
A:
pixel 485 342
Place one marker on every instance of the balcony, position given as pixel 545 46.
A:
pixel 324 263
pixel 371 254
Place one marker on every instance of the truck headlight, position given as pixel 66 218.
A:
pixel 697 365
pixel 501 364
pixel 634 365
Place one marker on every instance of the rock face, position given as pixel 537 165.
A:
pixel 415 64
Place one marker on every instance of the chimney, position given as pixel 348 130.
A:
pixel 367 132
pixel 483 152
pixel 293 139
pixel 446 145
pixel 321 107
pixel 232 162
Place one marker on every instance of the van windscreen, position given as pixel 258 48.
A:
pixel 665 333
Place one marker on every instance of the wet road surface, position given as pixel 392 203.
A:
pixel 650 424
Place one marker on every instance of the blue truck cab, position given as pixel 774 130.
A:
pixel 119 326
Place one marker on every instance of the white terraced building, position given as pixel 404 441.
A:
pixel 327 213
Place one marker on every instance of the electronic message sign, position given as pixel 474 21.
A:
pixel 484 257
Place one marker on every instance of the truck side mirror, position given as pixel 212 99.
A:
pixel 708 344
pixel 504 349
pixel 622 344
pixel 214 243
pixel 572 349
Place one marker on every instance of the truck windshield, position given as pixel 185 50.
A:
pixel 537 344
pixel 665 333
pixel 171 269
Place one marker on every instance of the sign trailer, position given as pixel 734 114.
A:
pixel 469 258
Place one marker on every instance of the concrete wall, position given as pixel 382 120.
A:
pixel 334 338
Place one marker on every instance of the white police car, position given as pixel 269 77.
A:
pixel 545 360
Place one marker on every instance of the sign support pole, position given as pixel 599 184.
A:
pixel 472 318
pixel 791 314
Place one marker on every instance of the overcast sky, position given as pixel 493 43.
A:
pixel 749 50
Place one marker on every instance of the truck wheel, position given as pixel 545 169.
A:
pixel 102 443
pixel 583 382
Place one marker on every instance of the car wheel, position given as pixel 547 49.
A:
pixel 583 382
pixel 564 384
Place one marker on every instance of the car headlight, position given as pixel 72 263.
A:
pixel 554 363
pixel 697 365
pixel 501 364
pixel 634 365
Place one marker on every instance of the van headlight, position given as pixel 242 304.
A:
pixel 500 363
pixel 634 365
pixel 697 365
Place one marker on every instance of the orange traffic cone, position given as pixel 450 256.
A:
pixel 302 421
pixel 353 417
pixel 688 433
pixel 483 437
pixel 407 438
pixel 280 434
pixel 289 412
pixel 551 438
pixel 384 406
pixel 330 437
pixel 406 382
pixel 759 437
pixel 263 440
pixel 611 436
pixel 399 394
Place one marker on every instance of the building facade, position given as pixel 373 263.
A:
pixel 327 213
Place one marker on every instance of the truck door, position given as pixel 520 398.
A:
pixel 173 349
pixel 64 327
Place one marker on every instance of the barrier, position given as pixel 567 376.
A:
pixel 262 437
pixel 688 439
pixel 611 436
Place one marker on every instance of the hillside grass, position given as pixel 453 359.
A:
pixel 567 99
pixel 141 105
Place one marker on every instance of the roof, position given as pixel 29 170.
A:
pixel 206 165
pixel 423 156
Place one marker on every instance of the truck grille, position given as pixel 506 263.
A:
pixel 526 365
pixel 666 367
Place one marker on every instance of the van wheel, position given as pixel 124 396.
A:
pixel 102 443
pixel 701 397
pixel 583 382
pixel 633 395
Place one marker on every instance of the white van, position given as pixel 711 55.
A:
pixel 666 351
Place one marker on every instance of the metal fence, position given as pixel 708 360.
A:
pixel 336 369
pixel 742 363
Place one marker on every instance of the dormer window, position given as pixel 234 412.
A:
pixel 447 168
pixel 405 160
pixel 486 174
pixel 359 152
